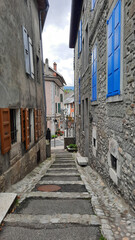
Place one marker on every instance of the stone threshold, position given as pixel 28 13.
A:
pixel 61 182
pixel 86 219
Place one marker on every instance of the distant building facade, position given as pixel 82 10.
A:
pixel 54 83
pixel 102 34
pixel 22 108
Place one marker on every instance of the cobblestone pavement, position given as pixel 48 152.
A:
pixel 112 213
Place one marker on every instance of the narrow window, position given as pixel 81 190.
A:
pixel 13 126
pixel 61 97
pixel 114 49
pixel 31 58
pixel 94 142
pixel 114 162
pixel 55 107
pixel 94 74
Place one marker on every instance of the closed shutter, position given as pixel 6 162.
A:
pixel 114 40
pixel 26 51
pixel 31 58
pixel 39 123
pixel 23 124
pixel 36 124
pixel 5 130
pixel 27 130
pixel 94 74
pixel 117 40
pixel 59 108
pixel 110 54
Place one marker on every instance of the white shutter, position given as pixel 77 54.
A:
pixel 31 58
pixel 26 51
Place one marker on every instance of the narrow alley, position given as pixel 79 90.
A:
pixel 61 200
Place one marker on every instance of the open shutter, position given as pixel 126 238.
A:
pixel 39 122
pixel 26 51
pixel 117 40
pixel 27 130
pixel 31 58
pixel 5 130
pixel 23 124
pixel 110 54
pixel 94 74
pixel 36 124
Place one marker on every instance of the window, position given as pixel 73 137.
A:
pixel 72 106
pixel 61 97
pixel 59 108
pixel 55 107
pixel 94 74
pixel 114 39
pixel 28 54
pixel 13 125
pixel 57 91
pixel 80 39
pixel 93 4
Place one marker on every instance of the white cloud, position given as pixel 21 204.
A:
pixel 56 44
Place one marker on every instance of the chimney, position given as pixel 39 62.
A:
pixel 55 66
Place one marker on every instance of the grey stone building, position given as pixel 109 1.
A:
pixel 22 106
pixel 102 33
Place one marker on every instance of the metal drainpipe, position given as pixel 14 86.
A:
pixel 43 74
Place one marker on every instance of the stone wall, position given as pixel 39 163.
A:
pixel 23 166
pixel 114 117
pixel 18 89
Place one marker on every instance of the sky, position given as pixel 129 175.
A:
pixel 56 39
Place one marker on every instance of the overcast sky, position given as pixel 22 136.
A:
pixel 56 38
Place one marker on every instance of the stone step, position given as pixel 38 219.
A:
pixel 76 195
pixel 57 218
pixel 62 173
pixel 61 182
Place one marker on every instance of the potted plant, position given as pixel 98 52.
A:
pixel 72 148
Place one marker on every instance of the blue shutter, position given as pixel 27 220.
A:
pixel 94 74
pixel 93 4
pixel 117 40
pixel 26 51
pixel 114 39
pixel 79 93
pixel 78 44
pixel 110 54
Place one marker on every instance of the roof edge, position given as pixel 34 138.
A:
pixel 74 22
